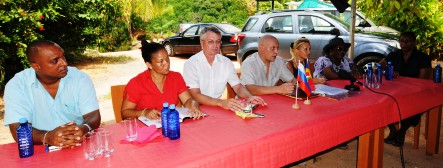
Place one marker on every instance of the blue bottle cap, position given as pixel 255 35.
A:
pixel 165 104
pixel 378 65
pixel 172 106
pixel 389 62
pixel 23 120
pixel 438 64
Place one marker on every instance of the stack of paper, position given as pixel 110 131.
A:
pixel 329 90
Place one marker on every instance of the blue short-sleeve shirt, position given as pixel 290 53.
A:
pixel 26 97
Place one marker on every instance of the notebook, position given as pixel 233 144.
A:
pixel 158 123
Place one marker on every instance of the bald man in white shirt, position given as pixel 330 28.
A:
pixel 262 70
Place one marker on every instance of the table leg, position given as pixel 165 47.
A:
pixel 433 131
pixel 370 149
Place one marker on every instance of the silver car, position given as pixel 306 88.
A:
pixel 362 23
pixel 319 28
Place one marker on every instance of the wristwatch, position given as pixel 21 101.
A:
pixel 89 127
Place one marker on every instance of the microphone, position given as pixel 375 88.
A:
pixel 346 75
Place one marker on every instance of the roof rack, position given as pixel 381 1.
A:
pixel 290 10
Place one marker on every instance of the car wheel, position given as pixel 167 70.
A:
pixel 367 59
pixel 249 53
pixel 169 49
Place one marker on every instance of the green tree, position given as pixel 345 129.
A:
pixel 196 11
pixel 21 23
pixel 423 17
pixel 138 12
pixel 74 24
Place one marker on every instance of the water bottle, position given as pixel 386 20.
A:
pixel 377 77
pixel 389 73
pixel 164 118
pixel 24 139
pixel 173 123
pixel 369 75
pixel 437 74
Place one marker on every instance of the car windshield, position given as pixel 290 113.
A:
pixel 342 23
pixel 229 28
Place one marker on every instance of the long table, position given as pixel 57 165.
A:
pixel 284 136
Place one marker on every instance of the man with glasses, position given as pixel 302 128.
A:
pixel 412 63
pixel 207 72
pixel 262 70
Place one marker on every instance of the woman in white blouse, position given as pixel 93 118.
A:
pixel 334 60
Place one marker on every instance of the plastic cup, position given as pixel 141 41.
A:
pixel 106 142
pixel 131 129
pixel 247 106
pixel 89 146
pixel 98 141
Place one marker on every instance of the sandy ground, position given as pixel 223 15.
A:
pixel 106 75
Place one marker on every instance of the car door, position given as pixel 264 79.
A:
pixel 188 41
pixel 281 27
pixel 317 30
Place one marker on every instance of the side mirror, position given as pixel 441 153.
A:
pixel 335 32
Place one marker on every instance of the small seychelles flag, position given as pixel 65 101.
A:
pixel 309 76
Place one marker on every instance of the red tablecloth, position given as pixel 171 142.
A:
pixel 285 135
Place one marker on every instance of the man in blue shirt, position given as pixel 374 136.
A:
pixel 58 100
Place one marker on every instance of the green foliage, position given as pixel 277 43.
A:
pixel 266 6
pixel 196 11
pixel 423 17
pixel 21 23
pixel 73 24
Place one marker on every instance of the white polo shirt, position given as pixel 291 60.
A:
pixel 253 71
pixel 211 80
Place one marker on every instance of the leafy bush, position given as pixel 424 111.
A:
pixel 223 11
pixel 21 24
pixel 73 24
pixel 423 17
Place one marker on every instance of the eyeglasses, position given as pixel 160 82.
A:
pixel 212 42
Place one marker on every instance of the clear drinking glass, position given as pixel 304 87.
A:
pixel 106 142
pixel 375 81
pixel 247 106
pixel 98 141
pixel 89 146
pixel 131 129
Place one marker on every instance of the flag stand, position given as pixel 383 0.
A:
pixel 296 106
pixel 307 101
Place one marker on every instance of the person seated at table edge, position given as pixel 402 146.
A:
pixel 409 62
pixel 300 51
pixel 261 71
pixel 207 72
pixel 58 100
pixel 334 62
pixel 145 94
